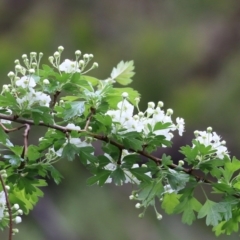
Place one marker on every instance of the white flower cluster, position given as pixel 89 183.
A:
pixel 209 138
pixel 112 166
pixel 69 66
pixel 123 118
pixel 24 87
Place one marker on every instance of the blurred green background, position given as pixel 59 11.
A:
pixel 186 53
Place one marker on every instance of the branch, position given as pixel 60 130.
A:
pixel 8 206
pixel 157 160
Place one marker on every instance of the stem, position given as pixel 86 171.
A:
pixel 8 207
pixel 157 160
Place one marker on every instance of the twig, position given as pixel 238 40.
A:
pixel 93 111
pixel 7 130
pixel 54 101
pixel 157 160
pixel 25 136
pixel 9 208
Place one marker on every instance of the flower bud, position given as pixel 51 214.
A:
pixel 60 48
pixel 11 74
pixel 18 219
pixel 86 56
pixel 180 163
pixel 7 187
pixel 160 104
pixel 24 56
pixel 40 54
pixel 78 53
pixel 18 67
pixel 209 129
pixel 196 133
pixel 51 58
pixel 16 206
pixel 56 54
pixel 33 54
pixel 20 211
pixel 151 105
pixel 141 215
pixel 90 55
pixel 140 114
pixel 159 216
pixel 81 63
pixel 169 112
pixel 16 62
pixel 138 205
pixel 31 71
pixel 131 197
pixel 46 81
pixel 95 65
pixel 15 230
pixel 124 94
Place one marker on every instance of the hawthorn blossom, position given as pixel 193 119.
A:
pixel 26 82
pixel 69 66
pixel 33 97
pixel 208 138
pixel 2 204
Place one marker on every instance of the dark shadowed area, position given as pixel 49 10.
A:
pixel 186 54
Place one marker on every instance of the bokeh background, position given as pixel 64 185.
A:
pixel 186 53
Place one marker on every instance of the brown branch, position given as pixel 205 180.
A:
pixel 93 111
pixel 119 157
pixel 25 136
pixel 157 160
pixel 54 101
pixel 9 208
pixel 7 130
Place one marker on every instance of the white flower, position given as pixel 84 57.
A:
pixel 2 204
pixel 75 141
pixel 33 97
pixel 180 125
pixel 26 82
pixel 73 127
pixel 69 66
pixel 213 140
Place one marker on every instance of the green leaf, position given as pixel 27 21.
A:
pixel 69 151
pixel 8 100
pixel 86 154
pixel 212 212
pixel 170 201
pixel 161 126
pixel 150 190
pixel 177 179
pixel 55 174
pixel 92 80
pixel 118 176
pixel 190 153
pixel 132 143
pixel 101 177
pixel 41 113
pixel 166 160
pixel 114 96
pixel 230 167
pixel 75 109
pixel 123 72
pixel 188 205
pixel 13 159
pixel 139 173
pixel 3 136
pixel 33 153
